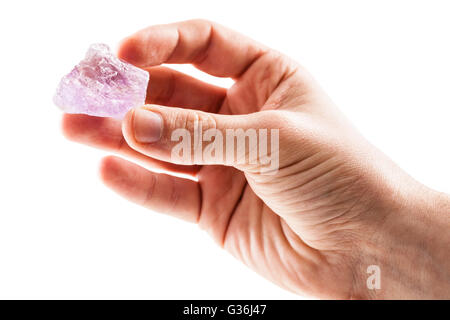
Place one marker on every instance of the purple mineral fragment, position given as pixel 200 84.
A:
pixel 102 85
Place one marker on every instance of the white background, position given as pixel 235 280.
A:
pixel 64 235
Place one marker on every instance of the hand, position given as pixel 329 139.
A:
pixel 313 224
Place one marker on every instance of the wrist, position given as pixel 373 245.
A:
pixel 408 244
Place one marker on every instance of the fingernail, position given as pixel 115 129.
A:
pixel 147 126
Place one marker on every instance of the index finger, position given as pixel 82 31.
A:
pixel 210 47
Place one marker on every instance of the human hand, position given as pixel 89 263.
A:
pixel 332 206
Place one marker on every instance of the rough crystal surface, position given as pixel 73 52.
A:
pixel 102 85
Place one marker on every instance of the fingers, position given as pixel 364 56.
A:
pixel 159 192
pixel 172 88
pixel 187 136
pixel 209 46
pixel 106 133
pixel 168 87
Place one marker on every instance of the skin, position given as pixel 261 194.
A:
pixel 335 206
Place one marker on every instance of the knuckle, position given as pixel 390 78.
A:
pixel 174 196
pixel 152 184
pixel 193 125
pixel 193 120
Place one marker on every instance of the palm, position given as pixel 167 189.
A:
pixel 228 199
pixel 238 219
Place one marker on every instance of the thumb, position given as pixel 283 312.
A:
pixel 185 136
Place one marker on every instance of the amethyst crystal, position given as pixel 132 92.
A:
pixel 102 85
